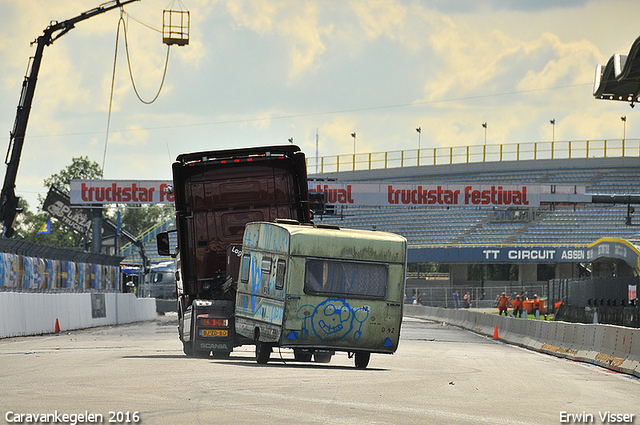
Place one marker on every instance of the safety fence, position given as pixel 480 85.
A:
pixel 441 294
pixel 475 153
pixel 613 347
pixel 622 316
pixel 30 267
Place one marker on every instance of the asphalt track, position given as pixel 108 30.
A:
pixel 439 375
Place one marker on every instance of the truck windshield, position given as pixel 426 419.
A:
pixel 345 279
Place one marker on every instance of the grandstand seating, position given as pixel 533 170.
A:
pixel 565 224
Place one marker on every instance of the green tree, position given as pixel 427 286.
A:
pixel 80 168
pixel 60 235
pixel 136 219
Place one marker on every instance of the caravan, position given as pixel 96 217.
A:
pixel 320 289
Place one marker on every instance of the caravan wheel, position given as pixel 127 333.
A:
pixel 362 359
pixel 263 352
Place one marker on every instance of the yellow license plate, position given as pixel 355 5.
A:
pixel 214 332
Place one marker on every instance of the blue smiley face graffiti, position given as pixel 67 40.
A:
pixel 332 320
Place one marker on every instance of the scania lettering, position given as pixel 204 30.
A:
pixel 216 193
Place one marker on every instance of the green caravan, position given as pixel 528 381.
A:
pixel 320 289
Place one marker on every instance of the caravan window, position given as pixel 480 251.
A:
pixel 345 279
pixel 280 272
pixel 245 268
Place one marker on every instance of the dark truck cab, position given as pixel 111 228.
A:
pixel 216 194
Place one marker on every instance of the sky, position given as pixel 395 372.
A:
pixel 260 72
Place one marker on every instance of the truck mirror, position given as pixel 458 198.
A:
pixel 162 240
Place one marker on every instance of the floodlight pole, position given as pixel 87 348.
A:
pixel 419 130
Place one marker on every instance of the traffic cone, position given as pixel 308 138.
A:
pixel 495 333
pixel 57 329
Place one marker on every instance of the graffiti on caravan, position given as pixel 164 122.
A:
pixel 427 194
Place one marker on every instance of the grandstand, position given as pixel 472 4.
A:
pixel 563 231
pixel 565 222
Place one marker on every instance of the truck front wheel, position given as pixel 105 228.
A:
pixel 187 348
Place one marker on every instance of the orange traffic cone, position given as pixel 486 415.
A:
pixel 57 329
pixel 495 333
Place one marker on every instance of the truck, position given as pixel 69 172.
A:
pixel 216 194
pixel 318 289
pixel 160 281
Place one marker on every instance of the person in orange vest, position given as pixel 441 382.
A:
pixel 536 306
pixel 517 306
pixel 502 306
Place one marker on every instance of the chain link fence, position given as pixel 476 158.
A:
pixel 442 294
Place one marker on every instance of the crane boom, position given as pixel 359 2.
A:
pixel 8 199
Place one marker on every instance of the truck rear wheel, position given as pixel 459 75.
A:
pixel 362 359
pixel 263 352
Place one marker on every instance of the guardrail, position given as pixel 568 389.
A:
pixel 612 347
pixel 476 153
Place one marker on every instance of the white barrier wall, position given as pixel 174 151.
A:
pixel 24 313
pixel 613 347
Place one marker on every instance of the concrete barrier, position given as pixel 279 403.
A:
pixel 634 353
pixel 609 346
pixel 25 313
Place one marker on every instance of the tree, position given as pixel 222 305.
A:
pixel 60 235
pixel 80 168
pixel 136 219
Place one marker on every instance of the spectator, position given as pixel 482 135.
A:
pixel 456 300
pixel 503 303
pixel 467 300
pixel 536 306
pixel 517 306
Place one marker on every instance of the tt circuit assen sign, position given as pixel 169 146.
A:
pixel 602 248
pixel 404 194
pixel 120 192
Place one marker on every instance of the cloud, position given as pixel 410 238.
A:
pixel 336 135
pixel 497 62
pixel 380 17
pixel 567 63
pixel 296 24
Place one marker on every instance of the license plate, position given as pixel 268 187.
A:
pixel 214 332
